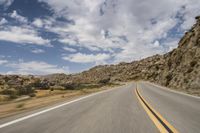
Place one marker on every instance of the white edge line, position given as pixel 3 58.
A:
pixel 49 109
pixel 174 91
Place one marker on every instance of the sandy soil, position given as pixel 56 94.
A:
pixel 43 98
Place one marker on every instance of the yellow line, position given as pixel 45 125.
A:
pixel 160 127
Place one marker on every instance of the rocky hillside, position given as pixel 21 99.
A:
pixel 182 65
pixel 178 69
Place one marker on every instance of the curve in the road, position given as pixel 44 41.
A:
pixel 159 121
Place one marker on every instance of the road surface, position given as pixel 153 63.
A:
pixel 119 110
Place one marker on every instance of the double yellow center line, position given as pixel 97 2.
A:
pixel 162 124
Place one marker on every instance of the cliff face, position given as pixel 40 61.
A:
pixel 182 65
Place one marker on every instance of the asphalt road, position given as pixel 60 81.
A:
pixel 113 111
pixel 181 111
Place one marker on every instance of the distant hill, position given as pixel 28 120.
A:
pixel 178 69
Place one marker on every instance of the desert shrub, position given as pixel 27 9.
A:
pixel 169 63
pixel 186 80
pixel 168 78
pixel 12 96
pixel 25 90
pixel 8 91
pixel 52 88
pixel 189 70
pixel 157 67
pixel 193 63
pixel 104 81
pixel 88 86
pixel 20 105
pixel 44 84
pixel 36 83
pixel 69 86
pixel 32 95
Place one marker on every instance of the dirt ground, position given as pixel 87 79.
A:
pixel 43 98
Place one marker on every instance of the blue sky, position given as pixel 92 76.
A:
pixel 68 36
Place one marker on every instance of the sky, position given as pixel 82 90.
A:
pixel 68 36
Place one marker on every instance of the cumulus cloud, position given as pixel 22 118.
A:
pixel 69 41
pixel 107 30
pixel 37 51
pixel 18 17
pixel 133 26
pixel 38 23
pixel 3 21
pixel 35 67
pixel 24 35
pixel 87 58
pixel 6 3
pixel 69 49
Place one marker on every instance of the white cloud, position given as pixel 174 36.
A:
pixel 127 18
pixel 3 21
pixel 2 62
pixel 156 43
pixel 6 3
pixel 99 24
pixel 133 27
pixel 38 22
pixel 125 29
pixel 190 11
pixel 68 41
pixel 24 35
pixel 18 17
pixel 69 49
pixel 36 68
pixel 37 51
pixel 87 58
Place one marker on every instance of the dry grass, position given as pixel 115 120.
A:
pixel 3 98
pixel 43 98
pixel 43 93
pixel 21 105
